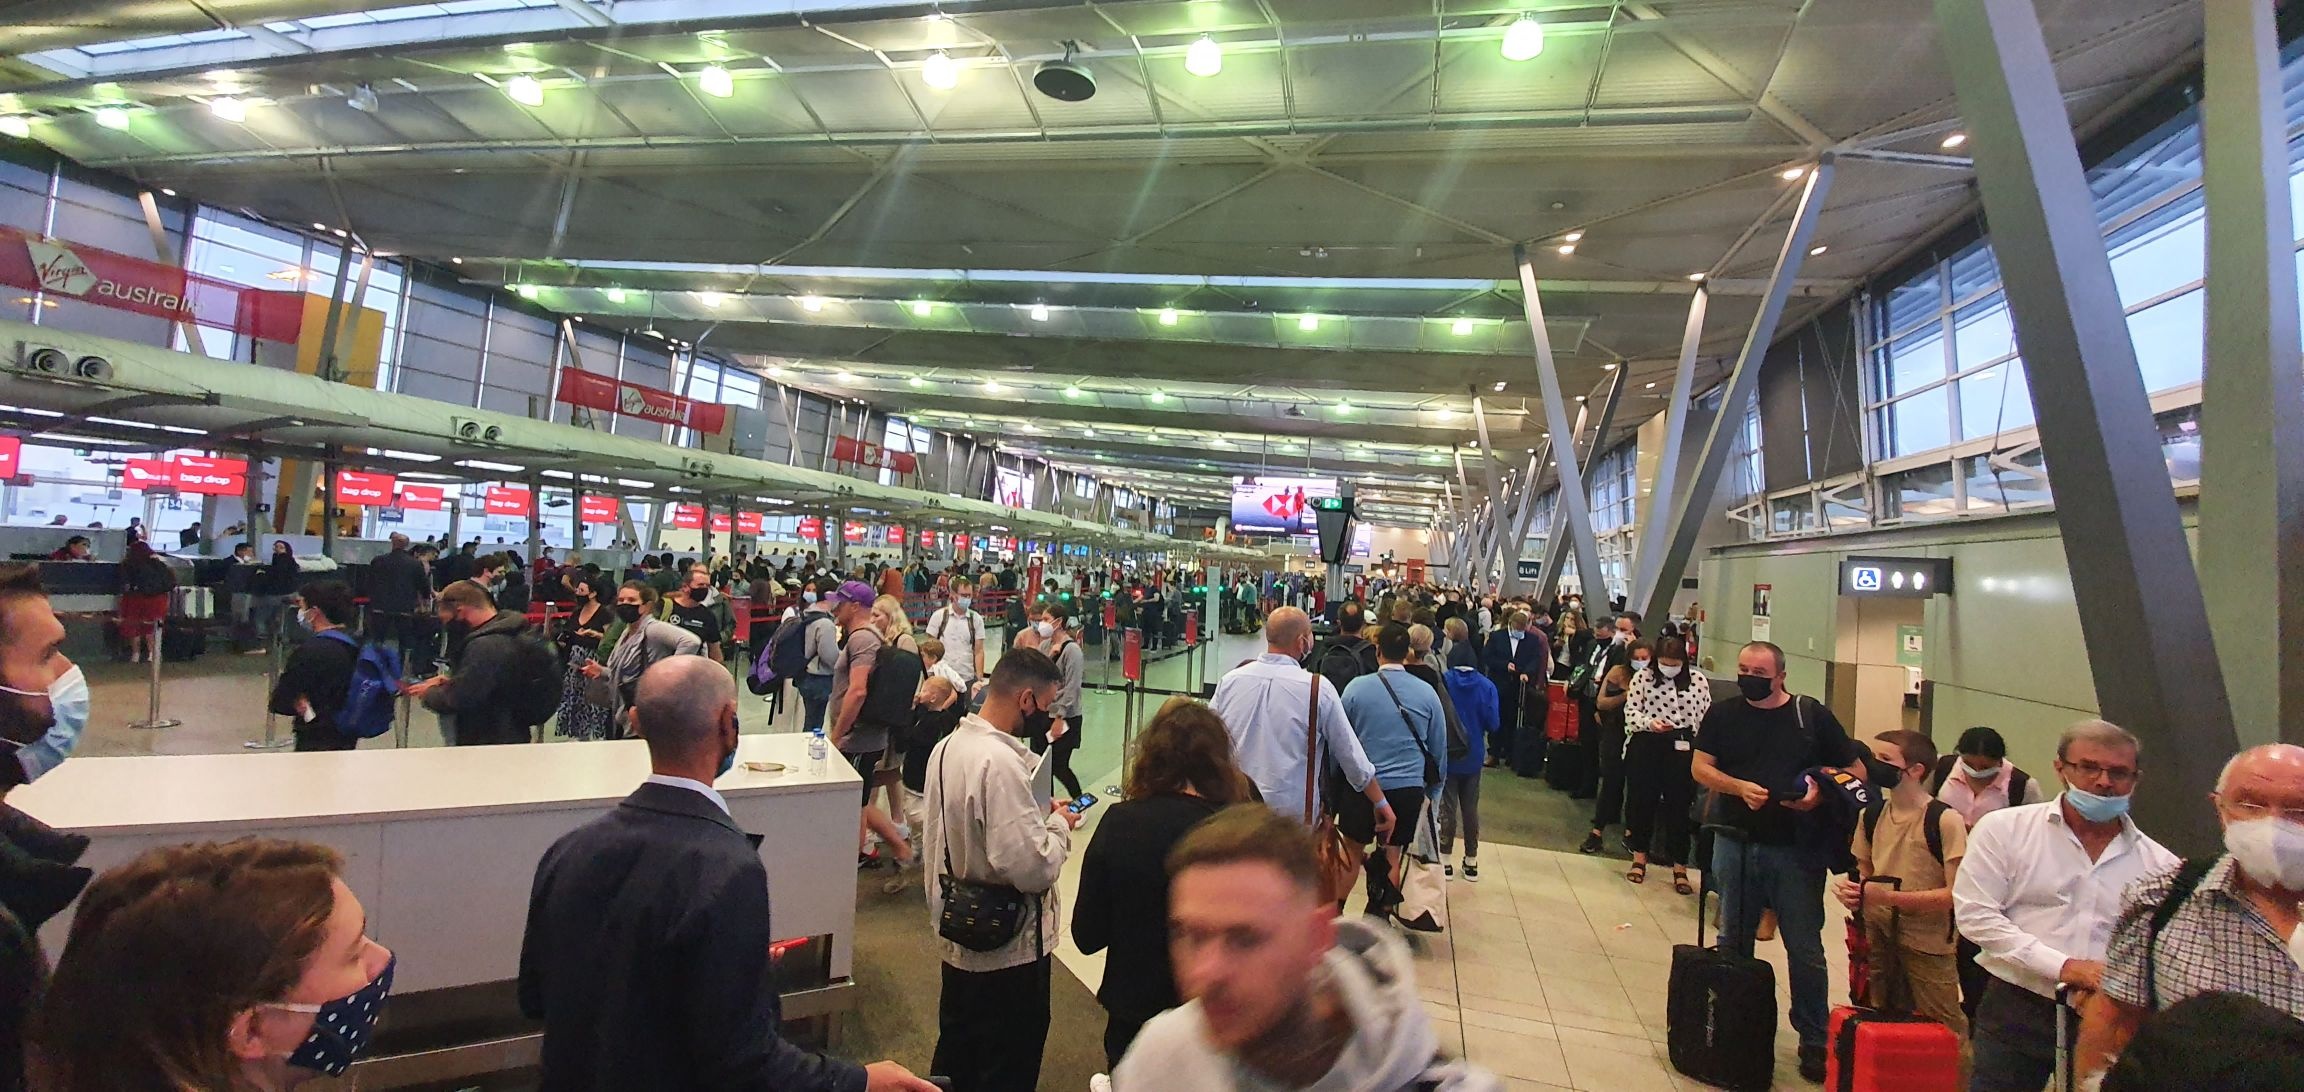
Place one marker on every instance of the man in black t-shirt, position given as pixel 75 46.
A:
pixel 686 609
pixel 1752 752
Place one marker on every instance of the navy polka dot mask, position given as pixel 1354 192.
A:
pixel 340 1028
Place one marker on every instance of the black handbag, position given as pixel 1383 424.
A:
pixel 980 917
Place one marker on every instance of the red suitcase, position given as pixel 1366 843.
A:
pixel 1868 1050
pixel 1560 719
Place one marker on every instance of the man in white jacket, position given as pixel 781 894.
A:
pixel 985 826
pixel 1279 992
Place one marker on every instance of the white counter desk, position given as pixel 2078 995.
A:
pixel 441 843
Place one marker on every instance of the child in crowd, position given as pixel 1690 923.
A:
pixel 1910 835
pixel 936 710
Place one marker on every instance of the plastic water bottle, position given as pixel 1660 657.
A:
pixel 817 751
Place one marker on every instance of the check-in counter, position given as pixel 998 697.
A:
pixel 441 845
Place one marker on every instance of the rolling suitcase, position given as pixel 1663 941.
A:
pixel 1563 763
pixel 1875 1050
pixel 1560 715
pixel 1720 1011
pixel 1529 756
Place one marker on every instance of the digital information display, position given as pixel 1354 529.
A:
pixel 1278 506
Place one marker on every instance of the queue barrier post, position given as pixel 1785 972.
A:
pixel 272 656
pixel 152 718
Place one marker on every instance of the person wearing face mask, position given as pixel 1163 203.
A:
pixel 1753 752
pixel 1059 643
pixel 43 712
pixel 697 609
pixel 635 640
pixel 1976 780
pixel 1667 700
pixel 647 927
pixel 1907 834
pixel 579 634
pixel 2039 892
pixel 962 631
pixel 282 986
pixel 483 690
pixel 312 687
pixel 986 828
pixel 820 638
pixel 2227 924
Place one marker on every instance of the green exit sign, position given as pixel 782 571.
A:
pixel 1328 504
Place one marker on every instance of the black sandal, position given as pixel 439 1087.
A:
pixel 1638 873
pixel 1680 882
pixel 1591 844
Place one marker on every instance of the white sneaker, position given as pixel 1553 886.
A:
pixel 1471 870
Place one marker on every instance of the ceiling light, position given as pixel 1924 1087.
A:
pixel 1072 390
pixel 16 125
pixel 812 304
pixel 230 109
pixel 1573 237
pixel 363 99
pixel 716 82
pixel 1344 407
pixel 1462 327
pixel 1524 39
pixel 1444 413
pixel 939 72
pixel 1579 397
pixel 916 382
pixel 1205 58
pixel 711 299
pixel 775 371
pixel 1697 277
pixel 1793 174
pixel 1039 312
pixel 1650 386
pixel 1499 384
pixel 1567 248
pixel 112 117
pixel 843 377
pixel 318 226
pixel 1308 323
pixel 1607 367
pixel 1815 250
pixel 525 90
pixel 1955 140
pixel 615 295
pixel 1159 397
pixel 166 192
pixel 921 308
pixel 527 291
pixel 456 261
pixel 992 386
pixel 1168 317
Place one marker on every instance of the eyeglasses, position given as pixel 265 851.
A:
pixel 2245 810
pixel 2118 775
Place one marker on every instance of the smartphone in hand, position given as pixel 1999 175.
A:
pixel 1085 801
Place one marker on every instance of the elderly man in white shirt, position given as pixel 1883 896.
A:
pixel 1265 703
pixel 2038 893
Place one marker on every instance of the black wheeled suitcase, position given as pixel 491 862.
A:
pixel 1528 752
pixel 1563 762
pixel 182 639
pixel 1720 1012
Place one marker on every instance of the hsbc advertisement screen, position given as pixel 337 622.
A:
pixel 1281 506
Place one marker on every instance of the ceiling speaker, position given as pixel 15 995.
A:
pixel 1065 81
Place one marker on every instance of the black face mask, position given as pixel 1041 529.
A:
pixel 1036 723
pixel 1881 774
pixel 1755 688
pixel 628 613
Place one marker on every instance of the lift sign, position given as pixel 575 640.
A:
pixel 1896 577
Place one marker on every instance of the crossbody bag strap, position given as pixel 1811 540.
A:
pixel 1312 751
pixel 1413 735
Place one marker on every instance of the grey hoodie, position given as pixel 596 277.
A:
pixel 1393 1048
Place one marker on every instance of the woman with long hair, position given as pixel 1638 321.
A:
pixel 1183 774
pixel 1666 701
pixel 580 632
pixel 224 967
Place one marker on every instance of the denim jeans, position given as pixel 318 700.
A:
pixel 815 697
pixel 1752 878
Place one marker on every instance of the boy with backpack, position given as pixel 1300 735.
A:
pixel 1908 836
pixel 314 686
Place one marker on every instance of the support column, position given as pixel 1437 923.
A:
pixel 2252 398
pixel 655 540
pixel 1651 518
pixel 327 504
pixel 1556 545
pixel 535 516
pixel 1677 540
pixel 1497 518
pixel 1608 404
pixel 1516 520
pixel 1572 495
pixel 2142 616
pixel 575 518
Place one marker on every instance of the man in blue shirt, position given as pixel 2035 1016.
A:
pixel 1405 735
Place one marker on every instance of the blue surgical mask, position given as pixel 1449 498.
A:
pixel 68 699
pixel 340 1028
pixel 807 597
pixel 2094 808
pixel 727 763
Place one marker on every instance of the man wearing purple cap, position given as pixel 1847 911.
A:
pixel 862 743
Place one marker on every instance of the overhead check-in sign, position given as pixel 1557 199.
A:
pixel 598 509
pixel 507 500
pixel 688 517
pixel 423 498
pixel 1896 577
pixel 363 490
pixel 811 529
pixel 748 523
pixel 600 392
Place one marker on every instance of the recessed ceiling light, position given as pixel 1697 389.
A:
pixel 16 125
pixel 455 261
pixel 1608 367
pixel 1205 58
pixel 711 299
pixel 1159 397
pixel 812 304
pixel 1039 312
pixel 922 308
pixel 1344 407
pixel 992 386
pixel 843 377
pixel 775 371
pixel 1462 327
pixel 1955 140
pixel 317 226
pixel 1499 385
pixel 228 108
pixel 615 295
pixel 1697 277
pixel 1650 386
pixel 112 117
pixel 526 291
pixel 1818 249
pixel 716 82
pixel 1073 391
pixel 525 90
pixel 939 72
pixel 1567 248
pixel 1579 397
pixel 1308 323
pixel 1793 174
pixel 1168 317
pixel 1524 39
pixel 1573 237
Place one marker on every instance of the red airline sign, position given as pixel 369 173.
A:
pixel 927 540
pixel 11 451
pixel 508 500
pixel 848 449
pixel 722 524
pixel 959 544
pixel 601 392
pixel 895 536
pixel 747 523
pixel 598 509
pixel 206 476
pixel 363 490
pixel 147 474
pixel 423 498
pixel 687 517
pixel 811 529
pixel 854 532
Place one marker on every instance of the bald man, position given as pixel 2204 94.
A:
pixel 646 954
pixel 1265 703
pixel 2226 924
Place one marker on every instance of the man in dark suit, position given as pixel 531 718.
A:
pixel 646 954
pixel 1516 655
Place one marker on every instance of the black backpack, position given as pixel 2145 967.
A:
pixel 151 576
pixel 532 689
pixel 889 690
pixel 2016 782
pixel 1344 659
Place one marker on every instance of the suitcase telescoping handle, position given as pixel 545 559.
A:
pixel 2065 1059
pixel 1704 882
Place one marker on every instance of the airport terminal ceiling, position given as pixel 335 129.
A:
pixel 1300 259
